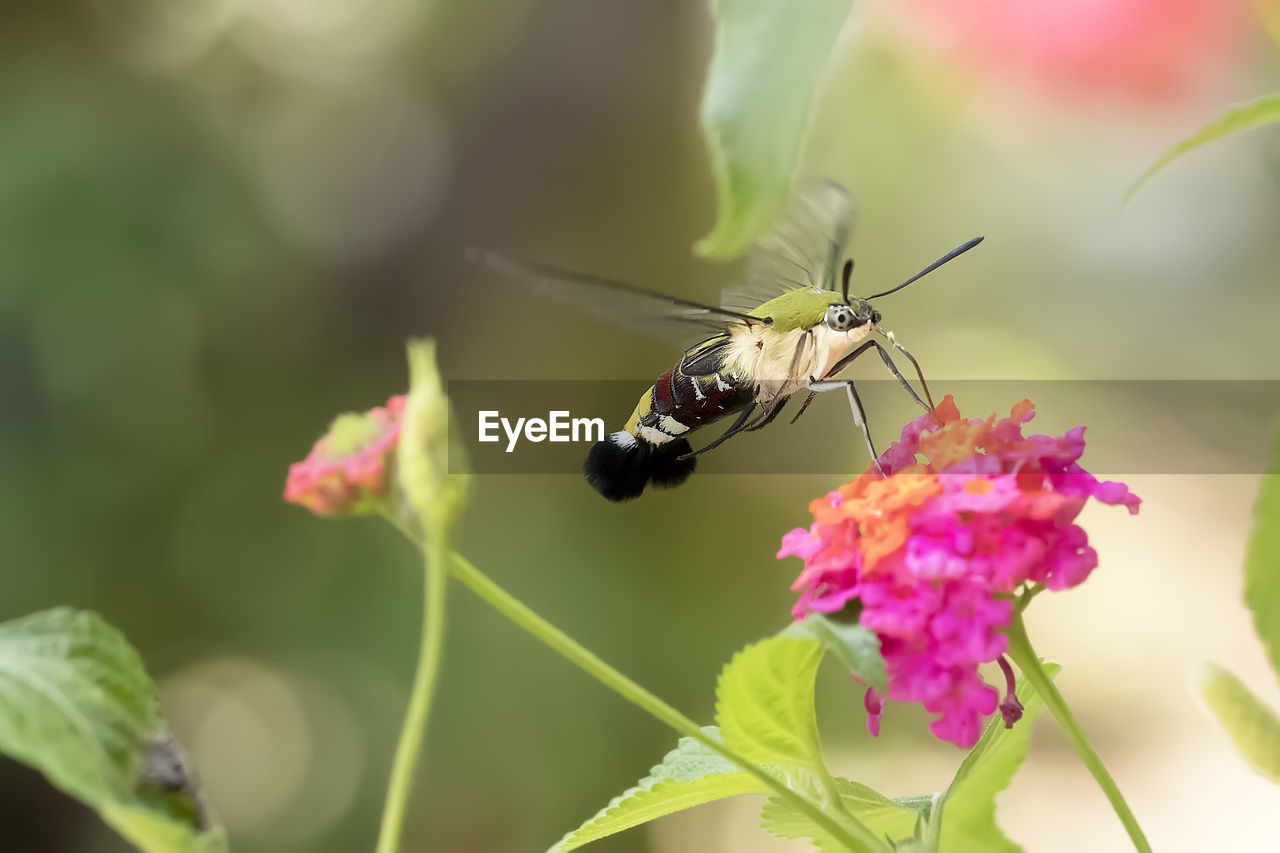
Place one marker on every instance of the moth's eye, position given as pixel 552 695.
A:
pixel 840 318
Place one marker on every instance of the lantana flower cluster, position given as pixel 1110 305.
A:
pixel 348 470
pixel 968 513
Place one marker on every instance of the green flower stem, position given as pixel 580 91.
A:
pixel 850 832
pixel 933 829
pixel 1029 662
pixel 409 748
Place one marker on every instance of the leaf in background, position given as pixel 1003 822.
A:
pixel 769 57
pixel 882 816
pixel 1269 12
pixel 689 775
pixel 1262 561
pixel 154 832
pixel 1258 113
pixel 856 647
pixel 1252 725
pixel 969 803
pixel 76 704
pixel 764 702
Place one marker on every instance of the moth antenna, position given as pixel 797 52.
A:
pixel 949 256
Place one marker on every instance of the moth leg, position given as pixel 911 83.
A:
pixel 888 362
pixel 893 368
pixel 893 339
pixel 848 360
pixel 733 430
pixel 765 419
pixel 793 371
pixel 804 405
pixel 859 413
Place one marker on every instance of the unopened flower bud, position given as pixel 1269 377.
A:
pixel 433 472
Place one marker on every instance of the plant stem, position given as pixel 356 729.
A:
pixel 1025 657
pixel 933 829
pixel 409 748
pixel 850 832
pixel 831 792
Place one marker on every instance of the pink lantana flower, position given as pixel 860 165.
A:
pixel 347 472
pixel 971 512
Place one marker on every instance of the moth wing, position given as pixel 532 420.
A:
pixel 629 306
pixel 804 249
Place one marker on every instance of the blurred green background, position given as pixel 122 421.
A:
pixel 219 221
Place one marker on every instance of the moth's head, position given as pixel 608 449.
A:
pixel 850 312
pixel 845 316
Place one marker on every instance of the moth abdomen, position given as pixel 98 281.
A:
pixel 623 464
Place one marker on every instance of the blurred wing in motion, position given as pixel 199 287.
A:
pixel 804 249
pixel 617 302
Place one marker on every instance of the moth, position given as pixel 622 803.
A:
pixel 794 327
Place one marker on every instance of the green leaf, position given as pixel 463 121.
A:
pixel 76 704
pixel 910 845
pixel 768 61
pixel 1262 561
pixel 689 775
pixel 883 816
pixel 764 702
pixel 969 803
pixel 1258 113
pixel 856 647
pixel 1252 725
pixel 155 832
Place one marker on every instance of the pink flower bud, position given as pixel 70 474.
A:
pixel 348 470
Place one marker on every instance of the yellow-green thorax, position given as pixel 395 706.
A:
pixel 802 308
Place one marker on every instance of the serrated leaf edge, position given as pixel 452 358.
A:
pixel 655 782
pixel 809 754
